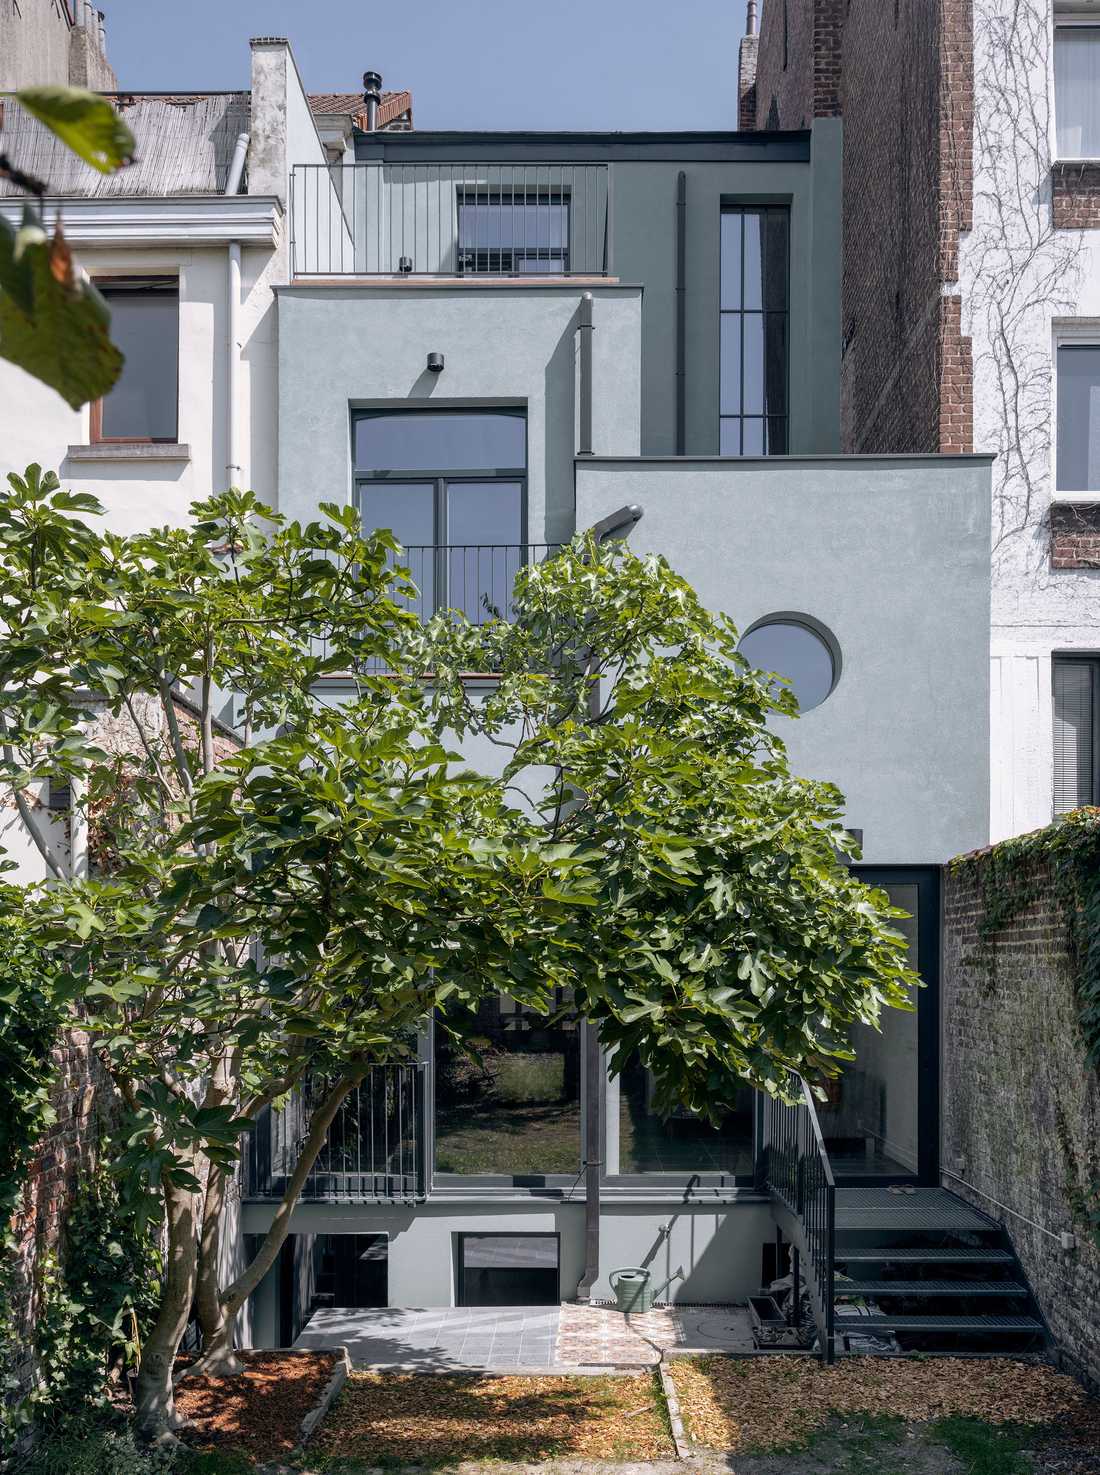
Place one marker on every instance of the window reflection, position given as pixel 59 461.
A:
pixel 512 1107
pixel 753 349
pixel 145 326
pixel 640 1140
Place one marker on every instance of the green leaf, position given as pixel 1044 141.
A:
pixel 84 121
pixel 53 322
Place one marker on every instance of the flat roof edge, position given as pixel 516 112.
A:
pixel 904 458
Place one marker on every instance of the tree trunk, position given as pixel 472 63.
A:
pixel 216 1352
pixel 156 1416
pixel 208 1300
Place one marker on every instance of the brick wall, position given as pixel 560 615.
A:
pixel 1076 193
pixel 1021 1108
pixel 901 76
pixel 1075 535
pixel 746 83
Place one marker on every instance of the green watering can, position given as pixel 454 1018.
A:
pixel 632 1288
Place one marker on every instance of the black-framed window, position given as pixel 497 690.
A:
pixel 514 232
pixel 144 403
pixel 500 1269
pixel 754 320
pixel 451 485
pixel 1076 732
pixel 509 1110
pixel 1078 431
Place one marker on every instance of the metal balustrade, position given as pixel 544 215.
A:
pixel 474 579
pixel 450 219
pixel 795 1170
pixel 375 1147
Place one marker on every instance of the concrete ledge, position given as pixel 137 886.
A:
pixel 684 1450
pixel 130 451
pixel 339 1377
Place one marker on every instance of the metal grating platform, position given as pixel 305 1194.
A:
pixel 938 1254
pixel 938 1324
pixel 925 1209
pixel 877 1288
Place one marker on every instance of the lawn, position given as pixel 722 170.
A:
pixel 867 1416
pixel 435 1421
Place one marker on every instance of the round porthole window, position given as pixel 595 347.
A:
pixel 798 648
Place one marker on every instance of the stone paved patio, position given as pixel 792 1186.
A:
pixel 523 1338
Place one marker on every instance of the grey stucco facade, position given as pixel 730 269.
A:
pixel 890 555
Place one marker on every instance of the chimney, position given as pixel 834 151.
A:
pixel 746 72
pixel 101 32
pixel 372 96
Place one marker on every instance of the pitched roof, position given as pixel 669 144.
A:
pixel 391 107
pixel 184 144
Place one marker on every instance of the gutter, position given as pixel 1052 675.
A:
pixel 233 323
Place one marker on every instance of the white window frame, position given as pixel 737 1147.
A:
pixel 1069 333
pixel 1064 17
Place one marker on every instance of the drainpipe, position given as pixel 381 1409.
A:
pixel 620 521
pixel 681 312
pixel 584 328
pixel 233 321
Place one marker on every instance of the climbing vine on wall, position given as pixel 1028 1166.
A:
pixel 1013 875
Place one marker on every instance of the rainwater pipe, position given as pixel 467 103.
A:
pixel 233 323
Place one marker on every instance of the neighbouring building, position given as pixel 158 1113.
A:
pixel 971 312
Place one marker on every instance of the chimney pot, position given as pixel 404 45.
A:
pixel 372 96
pixel 750 19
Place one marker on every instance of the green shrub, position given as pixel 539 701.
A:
pixel 90 1449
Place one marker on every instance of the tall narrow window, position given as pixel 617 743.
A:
pixel 143 404
pixel 1078 367
pixel 1077 91
pixel 451 486
pixel 1076 732
pixel 753 326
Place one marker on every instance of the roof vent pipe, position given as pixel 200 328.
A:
pixel 750 19
pixel 372 96
pixel 236 165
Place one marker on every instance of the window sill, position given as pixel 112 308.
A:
pixel 1087 498
pixel 130 451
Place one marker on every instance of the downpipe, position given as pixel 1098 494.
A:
pixel 233 324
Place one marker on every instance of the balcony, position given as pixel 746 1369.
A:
pixel 375 1149
pixel 474 220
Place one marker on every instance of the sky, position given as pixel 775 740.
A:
pixel 575 64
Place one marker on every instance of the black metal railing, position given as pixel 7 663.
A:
pixel 474 579
pixel 443 219
pixel 796 1171
pixel 375 1147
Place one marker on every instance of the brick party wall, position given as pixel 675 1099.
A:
pixel 1021 1106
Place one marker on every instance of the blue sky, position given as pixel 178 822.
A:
pixel 491 64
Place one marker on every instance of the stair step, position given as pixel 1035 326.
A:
pixel 924 1210
pixel 876 1288
pixel 938 1254
pixel 938 1324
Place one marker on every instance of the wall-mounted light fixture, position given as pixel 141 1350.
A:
pixel 435 363
pixel 405 264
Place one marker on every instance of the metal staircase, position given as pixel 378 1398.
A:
pixel 915 1269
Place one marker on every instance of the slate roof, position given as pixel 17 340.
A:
pixel 184 146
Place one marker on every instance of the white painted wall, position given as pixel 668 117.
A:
pixel 1020 280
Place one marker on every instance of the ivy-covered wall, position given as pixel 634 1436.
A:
pixel 1021 1088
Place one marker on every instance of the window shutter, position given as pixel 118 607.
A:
pixel 1074 735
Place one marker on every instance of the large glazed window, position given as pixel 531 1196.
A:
pixel 1076 732
pixel 451 486
pixel 1077 91
pixel 1078 467
pixel 642 1141
pixel 515 231
pixel 512 1108
pixel 753 329
pixel 143 405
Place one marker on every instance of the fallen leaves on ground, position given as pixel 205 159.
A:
pixel 261 1411
pixel 425 1419
pixel 773 1403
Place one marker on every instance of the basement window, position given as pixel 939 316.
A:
pixel 1077 89
pixel 143 405
pixel 1076 732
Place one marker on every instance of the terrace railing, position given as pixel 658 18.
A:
pixel 796 1172
pixel 449 220
pixel 375 1148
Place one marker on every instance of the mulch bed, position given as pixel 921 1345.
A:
pixel 261 1411
pixel 773 1403
pixel 424 1420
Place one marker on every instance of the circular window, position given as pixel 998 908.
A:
pixel 797 648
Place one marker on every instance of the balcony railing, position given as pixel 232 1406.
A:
pixel 475 579
pixel 447 220
pixel 375 1148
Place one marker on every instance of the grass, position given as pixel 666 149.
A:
pixel 982 1448
pixel 435 1421
pixel 483 1137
